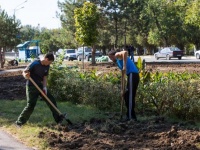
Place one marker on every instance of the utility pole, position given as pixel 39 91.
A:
pixel 16 8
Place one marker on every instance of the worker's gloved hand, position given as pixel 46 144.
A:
pixel 26 74
pixel 45 90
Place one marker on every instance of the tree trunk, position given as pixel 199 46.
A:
pixel 104 50
pixel 2 57
pixel 125 34
pixel 93 54
pixel 197 44
pixel 116 33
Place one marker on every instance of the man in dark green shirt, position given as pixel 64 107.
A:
pixel 38 71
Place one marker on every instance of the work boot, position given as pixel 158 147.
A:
pixel 18 125
pixel 59 120
pixel 125 119
pixel 133 116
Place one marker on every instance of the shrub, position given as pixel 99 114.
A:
pixel 171 94
pixel 101 91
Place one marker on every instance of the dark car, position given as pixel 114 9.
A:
pixel 168 53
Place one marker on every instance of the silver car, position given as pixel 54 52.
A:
pixel 70 54
pixel 87 53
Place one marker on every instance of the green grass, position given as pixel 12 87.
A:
pixel 40 119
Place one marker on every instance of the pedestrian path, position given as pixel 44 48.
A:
pixel 7 142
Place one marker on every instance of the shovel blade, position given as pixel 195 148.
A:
pixel 64 117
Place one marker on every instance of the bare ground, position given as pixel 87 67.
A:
pixel 150 134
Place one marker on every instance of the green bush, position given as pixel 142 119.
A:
pixel 91 88
pixel 170 94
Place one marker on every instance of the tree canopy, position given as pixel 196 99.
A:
pixel 148 24
pixel 86 19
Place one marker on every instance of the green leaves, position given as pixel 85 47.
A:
pixel 172 94
pixel 91 88
pixel 9 29
pixel 193 13
pixel 86 19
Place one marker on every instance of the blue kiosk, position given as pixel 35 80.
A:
pixel 27 52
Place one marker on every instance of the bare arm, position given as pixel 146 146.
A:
pixel 45 81
pixel 123 56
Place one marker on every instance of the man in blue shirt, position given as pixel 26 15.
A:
pixel 38 71
pixel 127 66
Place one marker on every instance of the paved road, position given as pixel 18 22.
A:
pixel 151 58
pixel 148 58
pixel 7 142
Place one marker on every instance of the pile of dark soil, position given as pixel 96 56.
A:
pixel 154 134
pixel 12 86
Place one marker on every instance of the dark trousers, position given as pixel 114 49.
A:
pixel 32 95
pixel 132 84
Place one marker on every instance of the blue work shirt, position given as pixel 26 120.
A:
pixel 130 66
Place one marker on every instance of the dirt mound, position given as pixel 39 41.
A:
pixel 12 86
pixel 155 134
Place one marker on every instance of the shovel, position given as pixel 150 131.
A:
pixel 122 94
pixel 64 116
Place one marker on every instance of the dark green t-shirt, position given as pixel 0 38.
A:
pixel 37 72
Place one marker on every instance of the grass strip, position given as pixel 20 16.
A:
pixel 40 119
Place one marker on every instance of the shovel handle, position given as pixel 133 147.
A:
pixel 45 96
pixel 122 93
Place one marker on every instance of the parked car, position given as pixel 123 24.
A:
pixel 70 54
pixel 168 53
pixel 87 53
pixel 60 51
pixel 197 54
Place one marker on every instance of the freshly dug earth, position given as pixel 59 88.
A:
pixel 154 134
pixel 150 134
pixel 12 86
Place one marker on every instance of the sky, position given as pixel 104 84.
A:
pixel 37 13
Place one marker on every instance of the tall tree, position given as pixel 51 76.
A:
pixel 68 21
pixel 9 29
pixel 28 33
pixel 165 23
pixel 114 11
pixel 192 13
pixel 86 19
pixel 192 19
